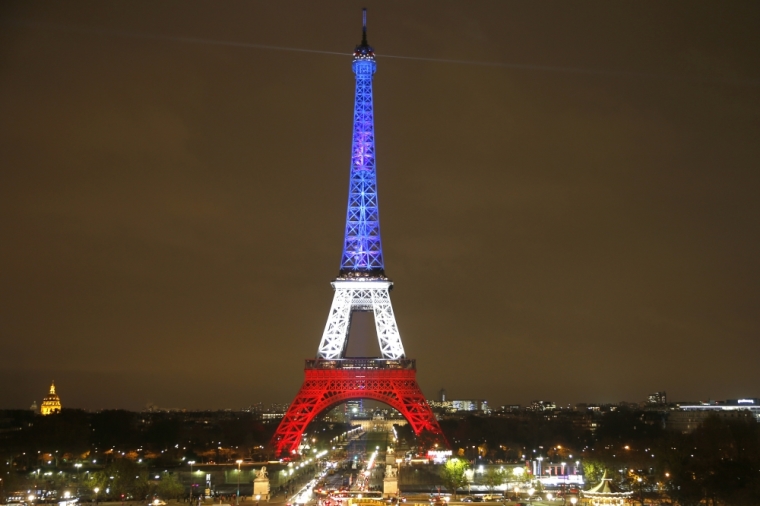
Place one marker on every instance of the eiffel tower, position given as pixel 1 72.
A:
pixel 361 285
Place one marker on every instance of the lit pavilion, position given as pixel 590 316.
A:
pixel 606 493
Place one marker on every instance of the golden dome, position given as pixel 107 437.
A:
pixel 51 403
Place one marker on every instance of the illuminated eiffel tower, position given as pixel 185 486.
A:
pixel 361 285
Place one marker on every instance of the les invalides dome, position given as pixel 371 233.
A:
pixel 51 403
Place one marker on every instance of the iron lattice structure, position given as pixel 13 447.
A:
pixel 361 285
pixel 324 388
pixel 353 296
pixel 362 247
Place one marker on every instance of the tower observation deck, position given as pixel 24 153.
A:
pixel 361 285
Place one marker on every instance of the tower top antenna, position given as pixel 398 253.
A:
pixel 364 26
pixel 364 51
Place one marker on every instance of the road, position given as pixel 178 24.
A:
pixel 350 472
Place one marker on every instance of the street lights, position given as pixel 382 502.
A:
pixel 238 462
pixel 96 490
pixel 192 481
pixel 573 500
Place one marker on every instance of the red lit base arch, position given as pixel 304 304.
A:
pixel 328 383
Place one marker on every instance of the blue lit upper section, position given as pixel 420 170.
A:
pixel 362 248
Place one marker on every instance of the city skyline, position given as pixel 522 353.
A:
pixel 568 198
pixel 655 398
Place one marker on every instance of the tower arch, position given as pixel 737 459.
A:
pixel 329 383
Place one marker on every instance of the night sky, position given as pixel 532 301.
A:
pixel 577 221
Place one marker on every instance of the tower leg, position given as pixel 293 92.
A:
pixel 335 337
pixel 385 324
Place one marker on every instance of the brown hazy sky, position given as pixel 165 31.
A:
pixel 582 224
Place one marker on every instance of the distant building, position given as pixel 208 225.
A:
pixel 688 416
pixel 753 402
pixel 441 405
pixel 511 408
pixel 686 420
pixel 542 406
pixel 274 411
pixel 442 395
pixel 277 407
pixel 336 415
pixel 657 398
pixel 471 405
pixel 51 403
pixel 377 424
pixel 256 407
pixel 33 407
pixel 355 409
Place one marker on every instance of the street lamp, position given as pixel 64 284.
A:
pixel 77 465
pixel 531 490
pixel 238 462
pixel 96 490
pixel 573 500
pixel 192 481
